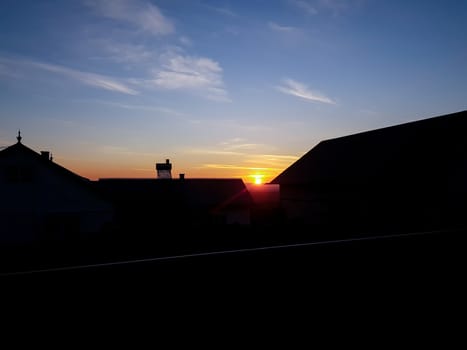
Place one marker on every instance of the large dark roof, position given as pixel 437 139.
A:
pixel 18 149
pixel 425 148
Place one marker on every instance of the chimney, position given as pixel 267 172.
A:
pixel 45 155
pixel 164 170
pixel 182 176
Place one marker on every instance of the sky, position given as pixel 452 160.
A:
pixel 222 88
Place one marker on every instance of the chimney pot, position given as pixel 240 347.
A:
pixel 45 155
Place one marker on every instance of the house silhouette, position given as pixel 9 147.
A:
pixel 43 201
pixel 407 177
pixel 156 205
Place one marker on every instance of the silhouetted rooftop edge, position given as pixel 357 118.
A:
pixel 374 150
pixel 20 147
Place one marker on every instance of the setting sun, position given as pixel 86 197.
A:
pixel 258 179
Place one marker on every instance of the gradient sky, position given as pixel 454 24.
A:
pixel 222 88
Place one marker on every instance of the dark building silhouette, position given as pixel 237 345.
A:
pixel 155 206
pixel 411 176
pixel 43 201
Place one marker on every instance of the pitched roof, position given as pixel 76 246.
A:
pixel 425 148
pixel 18 149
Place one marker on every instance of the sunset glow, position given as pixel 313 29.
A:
pixel 257 179
pixel 113 87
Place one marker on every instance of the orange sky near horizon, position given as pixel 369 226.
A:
pixel 95 169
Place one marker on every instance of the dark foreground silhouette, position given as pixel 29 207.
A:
pixel 244 254
pixel 386 204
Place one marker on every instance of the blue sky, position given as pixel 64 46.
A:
pixel 222 88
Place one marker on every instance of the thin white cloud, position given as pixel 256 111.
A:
pixel 335 5
pixel 225 11
pixel 278 157
pixel 244 146
pixel 207 151
pixel 251 157
pixel 191 73
pixel 250 152
pixel 231 166
pixel 186 41
pixel 305 6
pixel 125 52
pixel 282 29
pixel 141 14
pixel 222 10
pixel 147 108
pixel 238 144
pixel 92 79
pixel 232 141
pixel 295 88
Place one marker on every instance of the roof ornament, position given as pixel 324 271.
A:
pixel 19 136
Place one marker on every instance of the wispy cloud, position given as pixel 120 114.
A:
pixel 239 144
pixel 200 75
pixel 225 11
pixel 295 88
pixel 191 73
pixel 270 161
pixel 222 10
pixel 277 158
pixel 147 108
pixel 168 68
pixel 239 167
pixel 91 79
pixel 141 14
pixel 125 52
pixel 234 147
pixel 305 6
pixel 282 29
pixel 251 158
pixel 212 151
pixel 335 5
pixel 248 153
pixel 186 41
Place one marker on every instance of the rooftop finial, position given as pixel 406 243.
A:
pixel 19 136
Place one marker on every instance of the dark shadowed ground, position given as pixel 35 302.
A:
pixel 436 258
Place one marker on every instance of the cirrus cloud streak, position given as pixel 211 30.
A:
pixel 295 88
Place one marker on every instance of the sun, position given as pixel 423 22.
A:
pixel 258 179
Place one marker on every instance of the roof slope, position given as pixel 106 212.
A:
pixel 426 148
pixel 18 149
